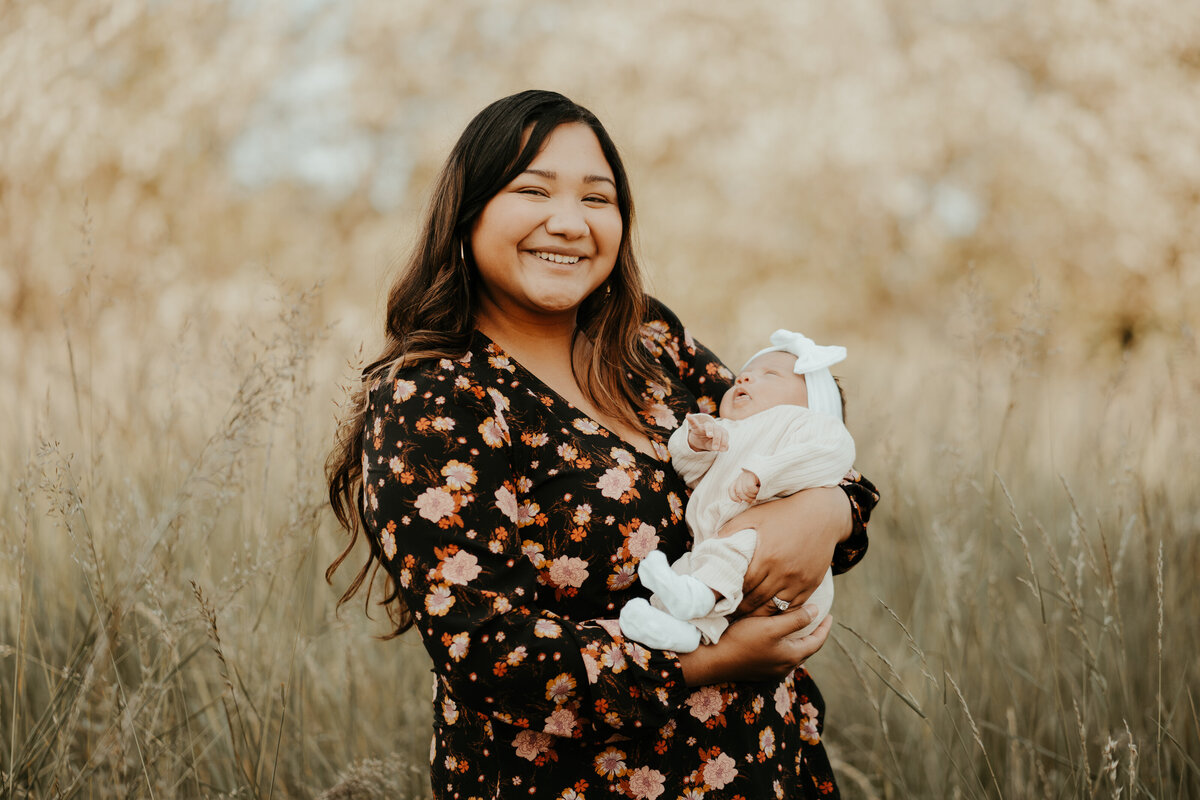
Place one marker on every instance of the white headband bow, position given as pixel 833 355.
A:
pixel 813 362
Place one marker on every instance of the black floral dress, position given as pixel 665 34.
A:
pixel 513 524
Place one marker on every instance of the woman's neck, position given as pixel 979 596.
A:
pixel 541 339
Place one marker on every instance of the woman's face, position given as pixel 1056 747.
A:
pixel 550 237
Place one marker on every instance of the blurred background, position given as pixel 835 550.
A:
pixel 995 206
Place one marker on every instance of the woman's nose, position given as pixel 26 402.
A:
pixel 567 220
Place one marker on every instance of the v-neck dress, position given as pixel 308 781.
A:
pixel 512 524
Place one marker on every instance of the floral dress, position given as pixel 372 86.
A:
pixel 513 525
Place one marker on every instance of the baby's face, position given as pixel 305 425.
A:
pixel 766 382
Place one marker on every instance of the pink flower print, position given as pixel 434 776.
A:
pixel 443 424
pixel 766 741
pixel 531 744
pixel 506 501
pixel 808 725
pixel 459 643
pixel 585 425
pixel 515 656
pixel 656 390
pixel 560 688
pixel 533 552
pixel 449 711
pixel 388 540
pixel 809 732
pixel 783 700
pixel 459 475
pixel 583 514
pixel 395 465
pixel 545 629
pixel 501 604
pixel 646 783
pixel 568 572
pixel 591 667
pixel 610 763
pixel 526 512
pixel 663 416
pixel 622 577
pixel 719 771
pixel 439 600
pixel 567 453
pixel 706 405
pixel 501 362
pixel 642 541
pixel 499 401
pixel 402 390
pixel 462 382
pixel 435 504
pixel 460 568
pixel 538 439
pixel 675 504
pixel 614 483
pixel 705 702
pixel 613 657
pixel 611 626
pixel 622 456
pixel 561 722
pixel 494 434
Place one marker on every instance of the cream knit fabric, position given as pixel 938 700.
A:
pixel 788 448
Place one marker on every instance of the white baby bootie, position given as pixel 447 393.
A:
pixel 684 596
pixel 654 627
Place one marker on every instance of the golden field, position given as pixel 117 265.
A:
pixel 995 207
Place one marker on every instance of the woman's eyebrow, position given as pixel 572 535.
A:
pixel 550 175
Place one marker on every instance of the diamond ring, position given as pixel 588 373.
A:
pixel 782 605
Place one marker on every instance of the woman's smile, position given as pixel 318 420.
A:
pixel 550 237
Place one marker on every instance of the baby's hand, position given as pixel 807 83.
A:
pixel 705 434
pixel 745 488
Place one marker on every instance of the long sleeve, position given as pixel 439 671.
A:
pixel 690 464
pixel 805 450
pixel 449 506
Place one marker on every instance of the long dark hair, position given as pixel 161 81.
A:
pixel 431 306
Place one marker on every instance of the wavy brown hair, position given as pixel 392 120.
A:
pixel 431 306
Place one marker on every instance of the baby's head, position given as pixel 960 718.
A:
pixel 792 371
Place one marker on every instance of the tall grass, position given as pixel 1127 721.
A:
pixel 1024 624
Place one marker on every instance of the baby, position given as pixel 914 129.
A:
pixel 780 431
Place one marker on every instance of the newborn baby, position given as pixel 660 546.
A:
pixel 780 430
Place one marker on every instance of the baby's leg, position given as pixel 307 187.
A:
pixel 682 595
pixel 822 598
pixel 721 562
pixel 644 623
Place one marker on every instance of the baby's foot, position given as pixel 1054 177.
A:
pixel 684 596
pixel 644 623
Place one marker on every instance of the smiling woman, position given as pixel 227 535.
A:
pixel 551 237
pixel 506 460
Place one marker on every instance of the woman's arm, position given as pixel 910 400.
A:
pixel 798 539
pixel 448 508
pixel 756 648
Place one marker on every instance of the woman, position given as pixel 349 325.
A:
pixel 507 463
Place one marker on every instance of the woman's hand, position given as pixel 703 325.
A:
pixel 796 539
pixel 756 648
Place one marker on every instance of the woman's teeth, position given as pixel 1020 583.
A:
pixel 556 258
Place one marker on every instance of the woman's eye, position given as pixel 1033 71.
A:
pixel 532 191
pixel 595 198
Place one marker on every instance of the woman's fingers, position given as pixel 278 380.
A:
pixel 807 645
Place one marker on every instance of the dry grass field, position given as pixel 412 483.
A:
pixel 996 207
